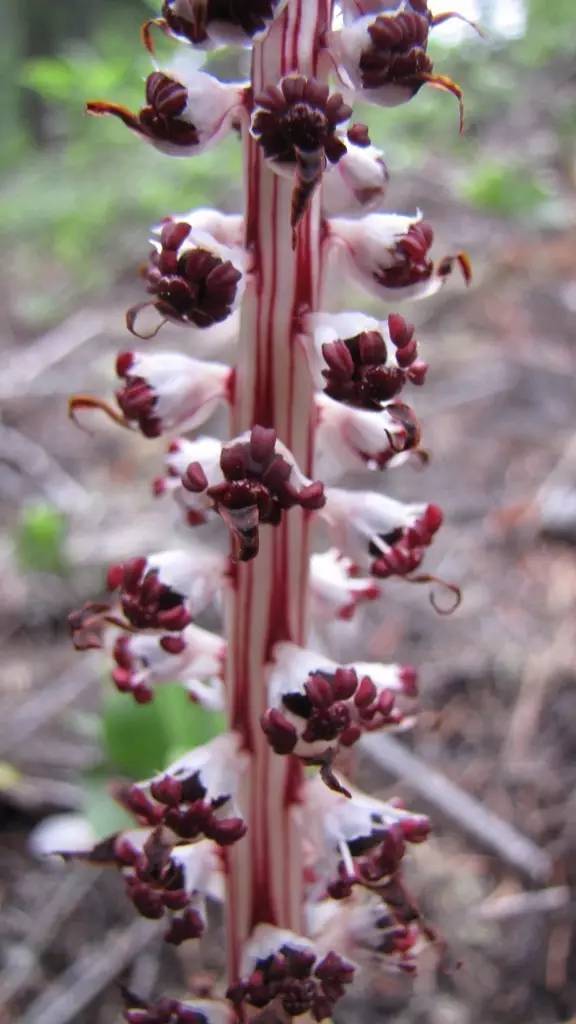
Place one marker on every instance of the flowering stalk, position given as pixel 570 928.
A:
pixel 310 869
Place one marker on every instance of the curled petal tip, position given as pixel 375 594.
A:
pixel 132 317
pixel 446 84
pixel 451 588
pixel 146 32
pixel 79 402
pixel 101 108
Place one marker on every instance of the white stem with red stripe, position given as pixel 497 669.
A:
pixel 273 389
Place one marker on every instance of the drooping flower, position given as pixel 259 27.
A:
pixel 284 975
pixel 258 481
pixel 362 361
pixel 195 797
pixel 317 706
pixel 381 536
pixel 168 391
pixel 384 53
pixel 210 23
pixel 388 255
pixel 186 110
pixel 349 438
pixel 356 849
pixel 195 657
pixel 165 591
pixel 296 124
pixel 164 880
pixel 194 278
pixel 356 840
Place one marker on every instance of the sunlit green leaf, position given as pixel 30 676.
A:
pixel 40 539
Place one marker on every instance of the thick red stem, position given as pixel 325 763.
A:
pixel 274 389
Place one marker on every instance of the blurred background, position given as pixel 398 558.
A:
pixel 498 720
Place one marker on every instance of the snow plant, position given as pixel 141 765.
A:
pixel 262 817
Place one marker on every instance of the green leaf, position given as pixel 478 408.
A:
pixel 187 725
pixel 140 740
pixel 41 534
pixel 135 739
pixel 504 189
pixel 103 812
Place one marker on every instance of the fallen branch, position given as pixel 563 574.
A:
pixel 76 987
pixel 16 977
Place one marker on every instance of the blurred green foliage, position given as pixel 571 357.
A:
pixel 550 32
pixel 75 209
pixel 506 189
pixel 141 739
pixel 77 212
pixel 40 539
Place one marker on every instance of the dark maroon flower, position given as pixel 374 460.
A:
pixel 393 64
pixel 360 372
pixel 199 21
pixel 191 284
pixel 185 806
pixel 257 487
pixel 397 55
pixel 317 706
pixel 140 660
pixel 147 601
pixel 137 399
pixel 296 981
pixel 156 885
pixel 295 123
pixel 390 255
pixel 406 545
pixel 161 120
pixel 412 263
pixel 331 708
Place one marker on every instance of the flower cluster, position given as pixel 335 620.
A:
pixel 170 863
pixel 164 881
pixel 317 706
pixel 284 973
pixel 357 849
pixel 196 657
pixel 384 52
pixel 252 480
pixel 194 798
pixel 313 392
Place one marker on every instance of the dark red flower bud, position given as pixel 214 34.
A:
pixel 189 926
pixel 296 124
pixel 281 734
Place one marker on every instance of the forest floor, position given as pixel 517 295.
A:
pixel 498 708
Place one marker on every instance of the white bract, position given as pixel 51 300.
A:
pixel 358 182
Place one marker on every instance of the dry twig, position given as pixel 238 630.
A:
pixel 76 987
